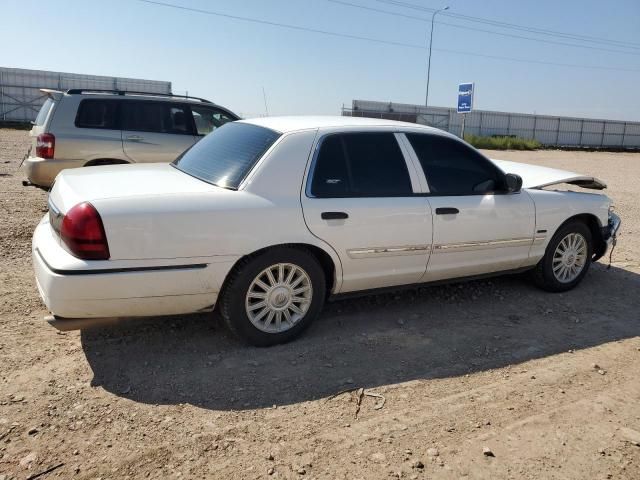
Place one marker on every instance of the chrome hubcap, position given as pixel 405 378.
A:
pixel 570 258
pixel 278 297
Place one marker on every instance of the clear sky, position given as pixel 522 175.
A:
pixel 230 61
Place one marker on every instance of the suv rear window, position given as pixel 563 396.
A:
pixel 207 119
pixel 97 114
pixel 44 111
pixel 226 155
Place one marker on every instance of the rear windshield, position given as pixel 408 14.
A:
pixel 44 111
pixel 226 155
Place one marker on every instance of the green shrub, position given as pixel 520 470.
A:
pixel 502 143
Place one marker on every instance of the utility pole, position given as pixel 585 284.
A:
pixel 426 100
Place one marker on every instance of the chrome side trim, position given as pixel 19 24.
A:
pixel 374 252
pixel 472 246
pixel 539 239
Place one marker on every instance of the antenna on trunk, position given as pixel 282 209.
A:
pixel 264 96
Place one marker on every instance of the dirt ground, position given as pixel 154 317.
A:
pixel 548 383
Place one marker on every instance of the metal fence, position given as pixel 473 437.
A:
pixel 548 130
pixel 21 98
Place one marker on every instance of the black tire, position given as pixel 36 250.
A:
pixel 234 294
pixel 543 275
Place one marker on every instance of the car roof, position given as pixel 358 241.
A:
pixel 287 124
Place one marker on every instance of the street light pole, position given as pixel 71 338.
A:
pixel 426 100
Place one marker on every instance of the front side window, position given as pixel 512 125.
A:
pixel 360 165
pixel 207 119
pixel 156 117
pixel 97 114
pixel 453 168
pixel 226 156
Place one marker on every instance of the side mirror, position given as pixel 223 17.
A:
pixel 513 182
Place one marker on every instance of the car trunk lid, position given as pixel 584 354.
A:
pixel 90 184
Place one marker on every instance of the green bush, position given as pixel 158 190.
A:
pixel 502 143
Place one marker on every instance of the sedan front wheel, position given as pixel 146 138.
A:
pixel 567 258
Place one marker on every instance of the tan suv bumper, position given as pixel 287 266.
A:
pixel 42 172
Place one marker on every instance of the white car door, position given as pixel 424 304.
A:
pixel 359 198
pixel 477 226
pixel 155 131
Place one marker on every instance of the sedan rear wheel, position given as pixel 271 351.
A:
pixel 279 297
pixel 272 297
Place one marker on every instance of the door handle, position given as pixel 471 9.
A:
pixel 447 211
pixel 134 138
pixel 334 215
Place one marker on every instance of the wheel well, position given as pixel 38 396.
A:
pixel 591 221
pixel 320 255
pixel 104 161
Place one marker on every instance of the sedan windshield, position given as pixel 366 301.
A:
pixel 225 156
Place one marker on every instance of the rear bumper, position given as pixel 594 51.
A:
pixel 99 290
pixel 42 172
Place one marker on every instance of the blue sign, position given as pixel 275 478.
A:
pixel 465 97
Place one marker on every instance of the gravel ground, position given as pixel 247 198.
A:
pixel 488 379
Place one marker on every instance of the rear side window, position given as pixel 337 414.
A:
pixel 44 111
pixel 207 119
pixel 97 114
pixel 453 168
pixel 226 156
pixel 156 117
pixel 360 165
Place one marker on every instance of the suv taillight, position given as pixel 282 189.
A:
pixel 83 232
pixel 45 145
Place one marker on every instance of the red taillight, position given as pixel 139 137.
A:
pixel 45 145
pixel 83 232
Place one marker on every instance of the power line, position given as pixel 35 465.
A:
pixel 539 62
pixel 369 39
pixel 541 31
pixel 282 25
pixel 493 32
pixel 373 9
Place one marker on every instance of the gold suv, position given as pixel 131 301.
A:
pixel 81 128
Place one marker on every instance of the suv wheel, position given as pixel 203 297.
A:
pixel 272 298
pixel 567 258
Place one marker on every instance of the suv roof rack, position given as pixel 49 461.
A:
pixel 78 91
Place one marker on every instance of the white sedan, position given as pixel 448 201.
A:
pixel 264 219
